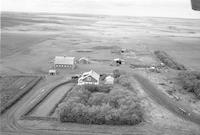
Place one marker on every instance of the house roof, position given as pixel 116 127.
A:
pixel 118 59
pixel 90 73
pixel 84 58
pixel 64 60
pixel 109 77
pixel 52 71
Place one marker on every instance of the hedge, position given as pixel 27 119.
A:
pixel 167 60
pixel 190 81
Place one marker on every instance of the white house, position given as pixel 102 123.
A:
pixel 109 80
pixel 64 62
pixel 90 77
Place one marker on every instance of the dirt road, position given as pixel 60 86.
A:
pixel 46 106
pixel 178 109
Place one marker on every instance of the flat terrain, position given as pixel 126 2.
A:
pixel 31 41
pixel 29 44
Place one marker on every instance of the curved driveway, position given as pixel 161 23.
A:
pixel 167 102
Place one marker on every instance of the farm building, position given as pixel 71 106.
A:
pixel 64 62
pixel 90 77
pixel 52 72
pixel 84 60
pixel 109 80
pixel 118 62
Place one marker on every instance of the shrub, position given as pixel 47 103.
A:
pixel 190 82
pixel 98 88
pixel 116 73
pixel 118 107
pixel 124 81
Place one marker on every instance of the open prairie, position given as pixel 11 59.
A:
pixel 30 41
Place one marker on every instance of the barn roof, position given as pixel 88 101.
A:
pixel 64 60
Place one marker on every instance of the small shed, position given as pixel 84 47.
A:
pixel 109 80
pixel 52 72
pixel 90 77
pixel 118 62
pixel 64 62
pixel 83 60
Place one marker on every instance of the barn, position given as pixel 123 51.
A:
pixel 64 62
pixel 90 77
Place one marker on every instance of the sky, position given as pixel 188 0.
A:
pixel 155 8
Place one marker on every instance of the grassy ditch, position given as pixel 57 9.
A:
pixel 190 82
pixel 96 105
pixel 14 88
pixel 168 61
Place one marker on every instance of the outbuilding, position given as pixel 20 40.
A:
pixel 90 77
pixel 52 72
pixel 109 80
pixel 64 62
pixel 83 60
pixel 118 62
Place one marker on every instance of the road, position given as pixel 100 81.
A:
pixel 46 106
pixel 165 101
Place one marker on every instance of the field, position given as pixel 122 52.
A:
pixel 31 41
pixel 47 35
pixel 14 87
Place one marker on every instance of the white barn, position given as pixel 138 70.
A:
pixel 64 62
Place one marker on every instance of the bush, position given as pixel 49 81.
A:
pixel 98 88
pixel 165 58
pixel 190 82
pixel 124 81
pixel 116 73
pixel 118 107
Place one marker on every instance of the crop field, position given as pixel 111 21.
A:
pixel 13 88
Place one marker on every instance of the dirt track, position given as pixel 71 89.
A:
pixel 165 101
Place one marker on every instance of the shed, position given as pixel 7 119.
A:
pixel 84 60
pixel 109 80
pixel 118 62
pixel 90 77
pixel 64 62
pixel 52 72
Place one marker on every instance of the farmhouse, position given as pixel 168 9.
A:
pixel 83 60
pixel 64 62
pixel 90 77
pixel 109 80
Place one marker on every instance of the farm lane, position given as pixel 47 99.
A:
pixel 45 107
pixel 165 101
pixel 11 122
pixel 14 115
